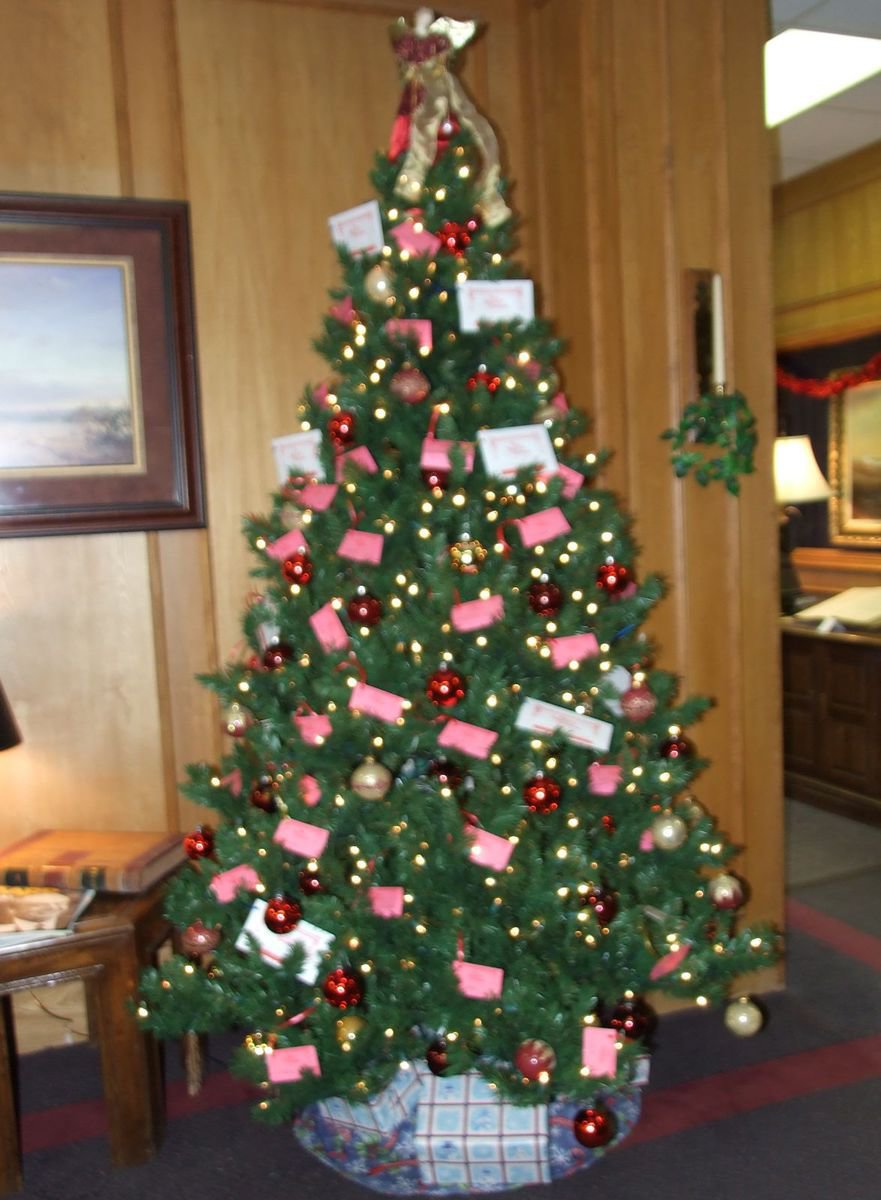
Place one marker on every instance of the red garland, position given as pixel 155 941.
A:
pixel 835 384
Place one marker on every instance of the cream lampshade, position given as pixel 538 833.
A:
pixel 797 480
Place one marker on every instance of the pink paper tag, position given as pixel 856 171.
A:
pixel 470 739
pixel 290 1062
pixel 598 1051
pixel 542 526
pixel 560 402
pixel 603 778
pixel 312 726
pixel 646 841
pixel 343 310
pixel 669 962
pixel 417 241
pixel 227 883
pixel 375 702
pixel 300 838
pixel 360 546
pixel 359 457
pixel 411 328
pixel 329 629
pixel 574 648
pixel 318 496
pixel 233 781
pixel 309 790
pixel 320 393
pixel 386 901
pixel 292 542
pixel 436 454
pixel 477 614
pixel 477 981
pixel 489 850
pixel 572 480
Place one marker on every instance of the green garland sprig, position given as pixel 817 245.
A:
pixel 722 419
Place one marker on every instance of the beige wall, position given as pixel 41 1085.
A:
pixel 264 116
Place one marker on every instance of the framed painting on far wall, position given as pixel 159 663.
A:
pixel 855 467
pixel 99 416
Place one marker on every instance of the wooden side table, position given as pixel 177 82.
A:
pixel 115 938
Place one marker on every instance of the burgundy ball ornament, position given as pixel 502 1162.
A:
pixel 282 914
pixel 198 939
pixel 545 597
pixel 456 236
pixel 446 687
pixel 604 904
pixel 343 988
pixel 435 477
pixel 341 430
pixel 364 609
pixel 541 794
pixel 632 1019
pixel 594 1127
pixel 725 891
pixel 199 843
pixel 370 780
pixel 410 385
pixel 613 578
pixel 297 568
pixel 448 774
pixel 276 655
pixel 310 882
pixel 236 721
pixel 675 746
pixel 535 1059
pixel 263 795
pixel 638 704
pixel 436 1057
pixel 484 378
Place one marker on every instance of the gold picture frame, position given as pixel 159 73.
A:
pixel 855 467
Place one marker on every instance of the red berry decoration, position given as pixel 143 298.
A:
pixel 541 794
pixel 676 747
pixel 594 1127
pixel 198 939
pixel 534 1058
pixel 448 774
pixel 603 903
pixel 435 477
pixel 638 704
pixel 436 1057
pixel 364 609
pixel 310 882
pixel 282 914
pixel 343 988
pixel 199 843
pixel 410 385
pixel 613 578
pixel 446 688
pixel 456 236
pixel 341 429
pixel 492 383
pixel 545 597
pixel 608 823
pixel 297 568
pixel 276 655
pixel 632 1019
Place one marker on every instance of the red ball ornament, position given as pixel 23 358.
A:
pixel 492 383
pixel 726 892
pixel 447 129
pixel 410 385
pixel 199 843
pixel 198 939
pixel 343 988
pixel 676 747
pixel 309 882
pixel 535 1058
pixel 594 1127
pixel 435 477
pixel 541 794
pixel 545 597
pixel 297 568
pixel 276 655
pixel 632 1019
pixel 262 795
pixel 436 1057
pixel 341 430
pixel 448 774
pixel 282 914
pixel 613 578
pixel 364 609
pixel 446 688
pixel 603 903
pixel 608 823
pixel 456 236
pixel 638 704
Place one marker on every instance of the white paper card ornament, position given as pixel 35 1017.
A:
pixel 298 454
pixel 275 947
pixel 538 716
pixel 507 451
pixel 359 229
pixel 494 300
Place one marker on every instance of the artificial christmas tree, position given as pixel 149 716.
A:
pixel 456 845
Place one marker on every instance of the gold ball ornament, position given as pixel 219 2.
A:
pixel 743 1017
pixel 546 414
pixel 468 556
pixel 370 780
pixel 378 284
pixel 668 831
pixel 348 1028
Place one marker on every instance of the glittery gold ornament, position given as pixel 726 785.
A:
pixel 348 1028
pixel 668 831
pixel 378 283
pixel 370 780
pixel 468 556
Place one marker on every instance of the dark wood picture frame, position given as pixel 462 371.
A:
pixel 155 482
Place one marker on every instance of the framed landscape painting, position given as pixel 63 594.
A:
pixel 99 420
pixel 855 467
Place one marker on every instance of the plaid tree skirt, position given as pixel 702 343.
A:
pixel 432 1135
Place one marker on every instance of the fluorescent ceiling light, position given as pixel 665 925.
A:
pixel 803 68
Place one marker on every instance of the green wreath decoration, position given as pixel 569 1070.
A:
pixel 722 419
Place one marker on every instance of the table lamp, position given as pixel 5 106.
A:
pixel 9 731
pixel 797 480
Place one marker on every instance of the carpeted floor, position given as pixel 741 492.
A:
pixel 789 1113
